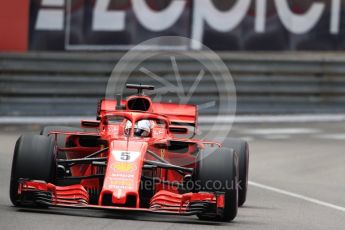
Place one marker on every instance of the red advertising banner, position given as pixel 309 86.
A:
pixel 14 25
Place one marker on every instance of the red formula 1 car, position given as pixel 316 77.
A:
pixel 131 159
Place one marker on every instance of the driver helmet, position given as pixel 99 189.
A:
pixel 141 129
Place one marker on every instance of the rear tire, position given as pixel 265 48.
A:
pixel 33 159
pixel 61 139
pixel 221 168
pixel 242 149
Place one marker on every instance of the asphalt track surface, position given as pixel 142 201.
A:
pixel 297 174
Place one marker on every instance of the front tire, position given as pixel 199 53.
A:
pixel 220 167
pixel 242 150
pixel 34 159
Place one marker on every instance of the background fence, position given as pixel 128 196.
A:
pixel 72 83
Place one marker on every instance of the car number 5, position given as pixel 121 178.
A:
pixel 125 156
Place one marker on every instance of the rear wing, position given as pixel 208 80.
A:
pixel 178 114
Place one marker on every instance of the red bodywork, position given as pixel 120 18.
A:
pixel 111 167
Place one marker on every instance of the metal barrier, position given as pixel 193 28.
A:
pixel 267 83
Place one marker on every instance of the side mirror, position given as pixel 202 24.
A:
pixel 175 129
pixel 90 124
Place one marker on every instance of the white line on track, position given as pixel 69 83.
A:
pixel 332 136
pixel 277 137
pixel 281 131
pixel 298 196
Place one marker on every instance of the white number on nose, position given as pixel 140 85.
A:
pixel 126 156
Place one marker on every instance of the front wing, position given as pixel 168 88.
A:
pixel 75 196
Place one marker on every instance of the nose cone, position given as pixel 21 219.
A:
pixel 123 174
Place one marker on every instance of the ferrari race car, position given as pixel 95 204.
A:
pixel 134 157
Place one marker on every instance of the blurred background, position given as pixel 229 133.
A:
pixel 285 56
